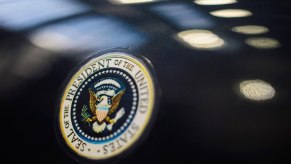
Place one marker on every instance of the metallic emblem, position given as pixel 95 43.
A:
pixel 107 105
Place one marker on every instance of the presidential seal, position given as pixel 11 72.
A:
pixel 107 105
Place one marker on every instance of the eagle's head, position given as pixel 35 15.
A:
pixel 103 102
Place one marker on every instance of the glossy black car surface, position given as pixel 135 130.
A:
pixel 225 90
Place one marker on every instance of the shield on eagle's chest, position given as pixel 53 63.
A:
pixel 101 114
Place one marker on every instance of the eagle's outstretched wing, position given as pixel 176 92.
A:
pixel 115 101
pixel 92 102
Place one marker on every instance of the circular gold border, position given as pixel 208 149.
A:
pixel 150 106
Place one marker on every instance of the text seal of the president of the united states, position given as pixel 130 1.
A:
pixel 107 105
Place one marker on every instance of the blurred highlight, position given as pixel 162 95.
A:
pixel 263 43
pixel 257 90
pixel 201 39
pixel 22 14
pixel 215 2
pixel 231 13
pixel 250 29
pixel 87 33
pixel 130 1
pixel 182 15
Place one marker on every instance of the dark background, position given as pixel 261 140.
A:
pixel 202 118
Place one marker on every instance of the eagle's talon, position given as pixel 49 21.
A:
pixel 89 120
pixel 112 121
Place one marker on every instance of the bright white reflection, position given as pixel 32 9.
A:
pixel 215 2
pixel 86 33
pixel 52 41
pixel 231 13
pixel 257 90
pixel 200 39
pixel 130 1
pixel 263 43
pixel 250 29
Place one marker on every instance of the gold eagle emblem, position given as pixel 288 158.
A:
pixel 102 116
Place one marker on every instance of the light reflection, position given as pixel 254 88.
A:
pixel 50 40
pixel 87 33
pixel 130 1
pixel 201 39
pixel 22 14
pixel 250 29
pixel 257 90
pixel 263 43
pixel 183 15
pixel 231 13
pixel 215 2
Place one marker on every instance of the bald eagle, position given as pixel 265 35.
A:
pixel 102 108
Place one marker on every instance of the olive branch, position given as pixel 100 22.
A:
pixel 85 114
